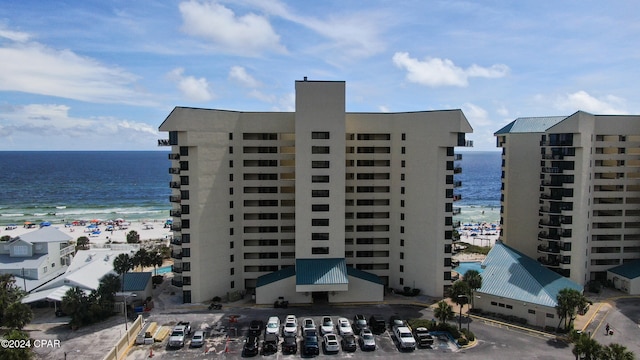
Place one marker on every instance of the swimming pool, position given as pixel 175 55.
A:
pixel 468 265
pixel 164 270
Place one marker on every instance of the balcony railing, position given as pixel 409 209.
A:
pixel 457 197
pixel 175 213
pixel 176 241
pixel 176 269
pixel 457 170
pixel 174 198
pixel 546 236
pixel 67 250
pixel 176 227
pixel 174 184
pixel 457 157
pixel 457 211
pixel 177 255
pixel 457 183
pixel 549 262
pixel 547 249
pixel 174 156
pixel 174 171
pixel 164 142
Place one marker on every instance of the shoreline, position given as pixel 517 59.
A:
pixel 152 229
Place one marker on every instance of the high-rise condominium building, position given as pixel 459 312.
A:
pixel 316 204
pixel 571 191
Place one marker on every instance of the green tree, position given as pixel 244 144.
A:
pixel 10 293
pixel 142 258
pixel 17 315
pixel 474 280
pixel 443 312
pixel 570 301
pixel 459 294
pixel 75 303
pixel 133 237
pixel 82 243
pixel 616 352
pixel 5 238
pixel 121 265
pixel 106 293
pixel 586 348
pixel 156 260
pixel 16 353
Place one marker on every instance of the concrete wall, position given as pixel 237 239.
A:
pixel 269 293
pixel 518 308
pixel 359 291
pixel 629 286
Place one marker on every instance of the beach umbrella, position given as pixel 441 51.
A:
pixel 45 223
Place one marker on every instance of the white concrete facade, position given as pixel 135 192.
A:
pixel 252 192
pixel 535 314
pixel 571 192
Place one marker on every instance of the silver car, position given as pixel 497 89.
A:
pixel 198 339
pixel 330 343
pixel 367 340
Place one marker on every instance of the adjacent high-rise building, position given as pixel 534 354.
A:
pixel 318 204
pixel 571 191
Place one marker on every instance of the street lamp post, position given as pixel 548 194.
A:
pixel 460 316
pixel 125 295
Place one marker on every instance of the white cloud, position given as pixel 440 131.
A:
pixel 31 67
pixel 581 100
pixel 476 115
pixel 193 89
pixel 16 36
pixel 384 108
pixel 249 34
pixel 502 111
pixel 56 128
pixel 436 72
pixel 239 74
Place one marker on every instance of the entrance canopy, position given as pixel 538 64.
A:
pixel 321 275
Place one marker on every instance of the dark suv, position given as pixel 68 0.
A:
pixel 250 346
pixel 311 346
pixel 290 345
pixel 359 323
pixel 377 324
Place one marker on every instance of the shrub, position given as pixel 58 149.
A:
pixel 462 341
pixel 468 334
pixel 416 323
pixel 415 292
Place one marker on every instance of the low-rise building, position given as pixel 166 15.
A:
pixel 626 277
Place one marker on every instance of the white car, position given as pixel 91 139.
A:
pixel 330 343
pixel 198 339
pixel 290 328
pixel 405 338
pixel 326 327
pixel 308 324
pixel 273 325
pixel 344 327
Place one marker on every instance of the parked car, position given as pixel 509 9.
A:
pixel 330 343
pixel 311 344
pixel 255 327
pixel 250 346
pixel 349 343
pixel 377 324
pixel 367 340
pixel 423 337
pixel 395 322
pixel 326 327
pixel 290 345
pixel 308 324
pixel 198 339
pixel 359 323
pixel 290 326
pixel 405 338
pixel 344 327
pixel 273 325
pixel 270 344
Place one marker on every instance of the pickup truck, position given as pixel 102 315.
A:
pixel 179 334
pixel 423 338
pixel 405 338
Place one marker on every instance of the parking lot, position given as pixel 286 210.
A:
pixel 495 343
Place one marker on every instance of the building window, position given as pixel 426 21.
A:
pixel 401 203
pixel 320 178
pixel 320 164
pixel 401 281
pixel 319 193
pixel 401 242
pixel 231 218
pixel 404 136
pixel 401 229
pixel 319 222
pixel 550 316
pixel 230 244
pixel 231 204
pixel 186 252
pixel 320 150
pixel 319 236
pixel 233 284
pixel 509 306
pixel 320 207
pixel 403 150
pixel 20 250
pixel 320 250
pixel 230 136
pixel 401 256
pixel 320 135
pixel 401 268
pixel 186 266
pixel 230 149
pixel 402 177
pixel 402 190
pixel 231 258
pixel 403 163
pixel 184 151
pixel 230 191
pixel 531 311
pixel 231 231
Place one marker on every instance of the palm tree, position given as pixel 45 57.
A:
pixel 141 258
pixel 75 303
pixel 156 260
pixel 616 352
pixel 474 280
pixel 121 265
pixel 586 348
pixel 133 237
pixel 443 312
pixel 570 301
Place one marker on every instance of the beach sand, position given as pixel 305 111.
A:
pixel 148 230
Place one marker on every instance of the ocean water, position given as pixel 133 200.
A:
pixel 59 186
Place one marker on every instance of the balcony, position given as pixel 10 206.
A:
pixel 67 250
pixel 176 241
pixel 548 250
pixel 175 213
pixel 177 255
pixel 174 171
pixel 164 142
pixel 457 211
pixel 457 157
pixel 174 184
pixel 176 282
pixel 176 269
pixel 457 197
pixel 549 262
pixel 174 198
pixel 546 236
pixel 176 227
pixel 550 223
pixel 457 170
pixel 457 183
pixel 174 156
pixel 551 170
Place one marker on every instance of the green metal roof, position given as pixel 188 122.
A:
pixel 511 274
pixel 321 271
pixel 275 276
pixel 136 281
pixel 351 271
pixel 530 125
pixel 630 270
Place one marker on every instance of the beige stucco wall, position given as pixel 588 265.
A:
pixel 520 309
pixel 359 291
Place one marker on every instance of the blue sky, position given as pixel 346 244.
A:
pixel 103 75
